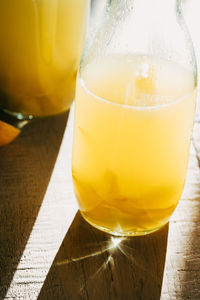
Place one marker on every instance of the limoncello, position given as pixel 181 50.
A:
pixel 133 124
pixel 41 43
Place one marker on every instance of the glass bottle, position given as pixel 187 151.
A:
pixel 135 103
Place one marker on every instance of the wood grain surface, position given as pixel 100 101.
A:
pixel 47 250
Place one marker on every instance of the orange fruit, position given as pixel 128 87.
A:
pixel 7 133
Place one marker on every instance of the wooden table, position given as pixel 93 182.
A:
pixel 47 251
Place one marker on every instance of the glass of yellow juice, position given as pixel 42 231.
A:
pixel 41 43
pixel 132 130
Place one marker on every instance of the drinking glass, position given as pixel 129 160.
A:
pixel 41 43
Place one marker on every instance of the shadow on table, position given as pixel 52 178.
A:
pixel 26 166
pixel 93 265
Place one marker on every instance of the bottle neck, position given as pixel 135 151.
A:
pixel 153 8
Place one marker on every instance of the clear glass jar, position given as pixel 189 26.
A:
pixel 41 43
pixel 135 102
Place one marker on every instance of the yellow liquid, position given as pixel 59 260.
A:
pixel 41 42
pixel 133 123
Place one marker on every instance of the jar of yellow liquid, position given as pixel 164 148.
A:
pixel 135 103
pixel 40 47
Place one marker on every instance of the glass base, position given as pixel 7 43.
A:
pixel 19 120
pixel 123 233
pixel 15 119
